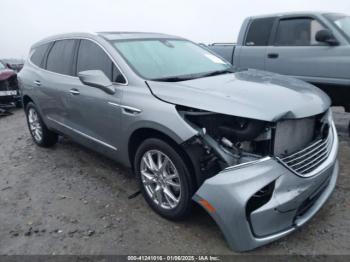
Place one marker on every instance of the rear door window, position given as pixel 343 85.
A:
pixel 259 32
pixel 38 55
pixel 60 58
pixel 297 32
pixel 93 57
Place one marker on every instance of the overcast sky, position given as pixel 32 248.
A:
pixel 24 22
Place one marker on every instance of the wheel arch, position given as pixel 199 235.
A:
pixel 27 99
pixel 141 134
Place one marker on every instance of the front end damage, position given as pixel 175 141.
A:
pixel 9 89
pixel 261 180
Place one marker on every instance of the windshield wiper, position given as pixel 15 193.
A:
pixel 174 78
pixel 219 72
pixel 194 76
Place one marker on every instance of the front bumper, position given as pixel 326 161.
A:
pixel 10 96
pixel 293 202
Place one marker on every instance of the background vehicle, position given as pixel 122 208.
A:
pixel 9 92
pixel 14 64
pixel 190 127
pixel 314 47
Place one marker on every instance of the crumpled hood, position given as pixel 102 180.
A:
pixel 6 73
pixel 251 93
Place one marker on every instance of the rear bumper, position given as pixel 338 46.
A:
pixel 293 201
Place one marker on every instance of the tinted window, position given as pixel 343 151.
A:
pixel 60 58
pixel 297 32
pixel 93 57
pixel 259 32
pixel 38 55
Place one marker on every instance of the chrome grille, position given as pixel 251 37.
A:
pixel 308 159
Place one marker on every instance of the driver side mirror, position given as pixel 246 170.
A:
pixel 98 79
pixel 326 36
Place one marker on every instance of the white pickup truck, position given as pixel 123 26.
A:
pixel 312 46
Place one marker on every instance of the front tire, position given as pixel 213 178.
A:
pixel 41 135
pixel 164 178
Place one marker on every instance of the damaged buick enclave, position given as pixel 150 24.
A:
pixel 257 150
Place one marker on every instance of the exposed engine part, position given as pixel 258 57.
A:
pixel 234 128
pixel 228 157
pixel 227 140
pixel 241 129
pixel 297 131
pixel 295 134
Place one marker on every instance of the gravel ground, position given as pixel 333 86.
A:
pixel 69 200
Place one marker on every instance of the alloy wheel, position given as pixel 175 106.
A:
pixel 160 179
pixel 35 125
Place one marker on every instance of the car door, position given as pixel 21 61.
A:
pixel 34 75
pixel 252 53
pixel 296 52
pixel 93 112
pixel 55 81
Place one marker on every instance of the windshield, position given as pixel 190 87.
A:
pixel 340 21
pixel 169 59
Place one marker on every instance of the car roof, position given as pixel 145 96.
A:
pixel 304 13
pixel 134 35
pixel 108 36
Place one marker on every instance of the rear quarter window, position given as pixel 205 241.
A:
pixel 38 55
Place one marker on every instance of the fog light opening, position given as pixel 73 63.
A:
pixel 260 198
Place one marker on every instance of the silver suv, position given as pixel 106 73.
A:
pixel 257 150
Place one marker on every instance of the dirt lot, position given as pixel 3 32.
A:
pixel 69 200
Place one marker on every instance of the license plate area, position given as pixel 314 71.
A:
pixel 8 93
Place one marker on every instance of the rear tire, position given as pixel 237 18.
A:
pixel 165 180
pixel 41 135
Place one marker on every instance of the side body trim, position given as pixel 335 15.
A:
pixel 83 134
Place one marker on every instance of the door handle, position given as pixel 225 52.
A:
pixel 74 91
pixel 272 55
pixel 37 82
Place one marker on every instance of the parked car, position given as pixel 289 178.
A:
pixel 312 46
pixel 14 64
pixel 257 150
pixel 9 92
pixel 17 67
